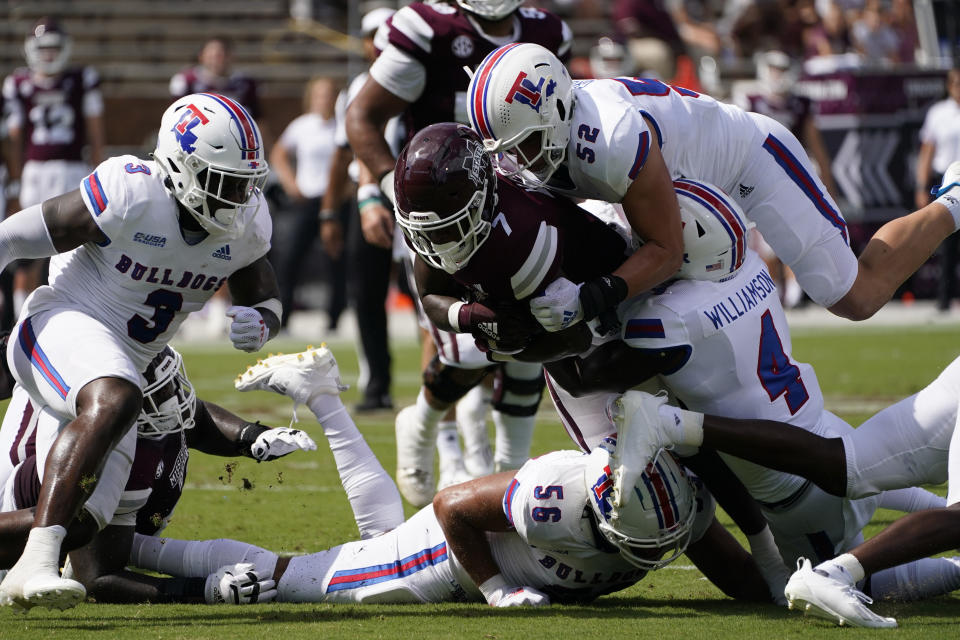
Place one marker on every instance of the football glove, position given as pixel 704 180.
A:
pixel 247 330
pixel 559 306
pixel 238 584
pixel 276 443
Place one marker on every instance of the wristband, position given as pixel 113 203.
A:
pixel 600 294
pixel 249 435
pixel 367 191
pixel 326 215
pixel 453 315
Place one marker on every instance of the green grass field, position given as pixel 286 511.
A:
pixel 295 505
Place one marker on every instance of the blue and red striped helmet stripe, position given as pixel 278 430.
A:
pixel 716 204
pixel 245 123
pixel 478 101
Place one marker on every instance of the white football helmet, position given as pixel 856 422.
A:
pixel 714 231
pixel 522 91
pixel 491 9
pixel 210 153
pixel 776 72
pixel 654 526
pixel 169 401
pixel 47 48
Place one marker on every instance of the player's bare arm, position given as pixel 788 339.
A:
pixel 69 222
pixel 367 116
pixel 613 366
pixel 651 207
pixel 726 564
pixel 466 512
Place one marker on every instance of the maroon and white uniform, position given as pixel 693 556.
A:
pixel 429 45
pixel 238 86
pixel 51 113
pixel 534 239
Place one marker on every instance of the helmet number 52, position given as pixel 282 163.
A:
pixel 165 305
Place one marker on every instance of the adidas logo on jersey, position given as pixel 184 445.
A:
pixel 745 190
pixel 223 252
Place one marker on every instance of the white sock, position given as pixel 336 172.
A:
pixel 911 499
pixel 196 558
pixel 472 422
pixel 846 562
pixel 922 578
pixel 427 415
pixel 951 200
pixel 448 443
pixel 681 426
pixel 374 498
pixel 42 550
pixel 514 438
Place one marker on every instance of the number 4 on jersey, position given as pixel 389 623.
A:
pixel 777 374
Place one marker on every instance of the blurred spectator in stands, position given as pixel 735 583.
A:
pixel 55 117
pixel 903 22
pixel 759 26
pixel 775 97
pixel 835 26
pixel 874 39
pixel 215 74
pixel 696 20
pixel 6 276
pixel 650 34
pixel 939 146
pixel 301 161
pixel 609 59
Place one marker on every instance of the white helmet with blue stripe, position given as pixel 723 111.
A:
pixel 210 153
pixel 655 523
pixel 714 231
pixel 520 101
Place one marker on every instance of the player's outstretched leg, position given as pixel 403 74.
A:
pixel 832 597
pixel 313 378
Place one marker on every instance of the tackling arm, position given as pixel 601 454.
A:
pixel 613 366
pixel 254 288
pixel 728 565
pixel 219 432
pixel 466 512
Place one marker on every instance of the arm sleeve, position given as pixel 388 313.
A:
pixel 108 193
pixel 647 325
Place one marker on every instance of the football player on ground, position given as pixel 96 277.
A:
pixel 571 137
pixel 720 342
pixel 173 422
pixel 530 537
pixel 420 74
pixel 138 247
pixel 909 443
pixel 54 113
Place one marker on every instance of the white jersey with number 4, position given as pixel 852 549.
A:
pixel 144 280
pixel 751 157
pixel 739 362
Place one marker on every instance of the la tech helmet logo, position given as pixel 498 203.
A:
pixel 184 128
pixel 525 92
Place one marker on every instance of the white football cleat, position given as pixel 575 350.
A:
pixel 52 592
pixel 299 376
pixel 636 416
pixel 819 595
pixel 416 443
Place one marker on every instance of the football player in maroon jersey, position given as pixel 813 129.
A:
pixel 55 113
pixel 420 75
